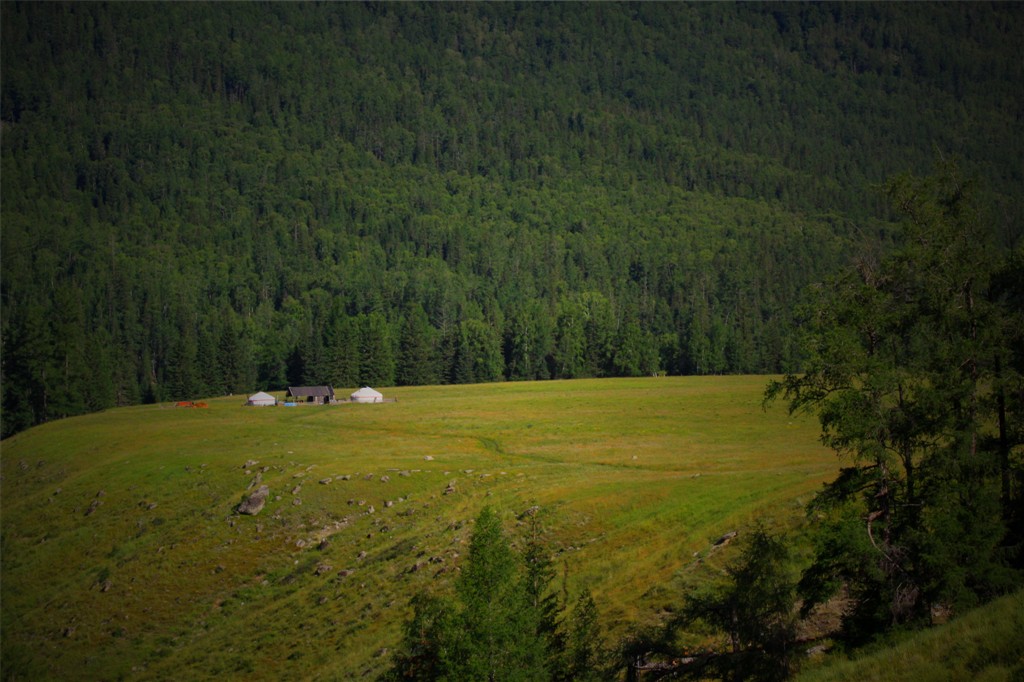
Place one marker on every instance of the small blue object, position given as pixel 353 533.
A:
pixel 290 404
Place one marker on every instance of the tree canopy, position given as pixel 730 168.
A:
pixel 917 375
pixel 208 199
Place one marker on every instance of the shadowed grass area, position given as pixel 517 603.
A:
pixel 984 644
pixel 123 554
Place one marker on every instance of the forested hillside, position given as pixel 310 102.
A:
pixel 212 198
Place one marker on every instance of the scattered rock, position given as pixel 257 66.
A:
pixel 406 474
pixel 324 544
pixel 346 477
pixel 249 464
pixel 296 502
pixel 322 568
pixel 219 568
pixel 151 506
pixel 428 458
pixel 362 555
pixel 296 490
pixel 300 543
pixel 105 587
pixel 368 477
pixel 322 601
pixel 450 489
pixel 101 493
pixel 370 509
pixel 388 504
pixel 255 481
pixel 68 631
pixel 254 504
pixel 346 572
pixel 385 478
pixel 93 506
pixel 325 481
pixel 725 538
pixel 529 512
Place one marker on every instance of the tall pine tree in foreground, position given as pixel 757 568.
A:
pixel 503 621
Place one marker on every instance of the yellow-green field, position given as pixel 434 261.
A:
pixel 162 578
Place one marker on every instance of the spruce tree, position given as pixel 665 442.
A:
pixel 754 609
pixel 417 352
pixel 498 639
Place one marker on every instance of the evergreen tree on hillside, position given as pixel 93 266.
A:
pixel 342 354
pixel 376 351
pixel 417 353
pixel 755 609
pixel 583 658
pixel 636 353
pixel 498 638
pixel 501 624
pixel 543 603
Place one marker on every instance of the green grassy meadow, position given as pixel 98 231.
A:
pixel 634 477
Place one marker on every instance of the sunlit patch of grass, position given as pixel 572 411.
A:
pixel 634 476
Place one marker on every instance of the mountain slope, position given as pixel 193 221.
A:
pixel 212 199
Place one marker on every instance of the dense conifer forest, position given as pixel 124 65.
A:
pixel 206 198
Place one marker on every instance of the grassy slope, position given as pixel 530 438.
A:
pixel 985 644
pixel 634 477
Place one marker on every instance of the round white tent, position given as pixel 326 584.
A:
pixel 261 399
pixel 367 395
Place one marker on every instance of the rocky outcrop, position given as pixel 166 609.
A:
pixel 254 504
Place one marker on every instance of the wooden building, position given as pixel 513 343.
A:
pixel 317 395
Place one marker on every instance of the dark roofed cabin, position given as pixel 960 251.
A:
pixel 318 395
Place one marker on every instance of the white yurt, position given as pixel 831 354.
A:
pixel 367 395
pixel 261 399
